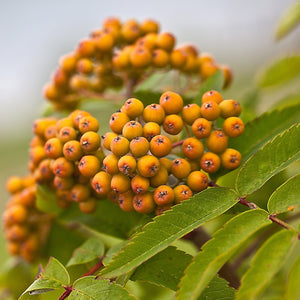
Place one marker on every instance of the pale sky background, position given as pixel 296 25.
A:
pixel 35 33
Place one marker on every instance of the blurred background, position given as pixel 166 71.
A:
pixel 34 34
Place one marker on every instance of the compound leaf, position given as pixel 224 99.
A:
pixel 218 250
pixel 285 196
pixel 281 71
pixel 293 287
pixel 289 20
pixel 266 263
pixel 272 158
pixel 170 226
pixel 90 288
pixel 262 129
pixel 165 268
pixel 90 250
pixel 53 277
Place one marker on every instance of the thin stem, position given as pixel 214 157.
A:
pixel 129 87
pixel 66 294
pixel 243 201
pixel 274 219
pixel 177 143
pixel 93 269
pixel 213 184
pixel 187 130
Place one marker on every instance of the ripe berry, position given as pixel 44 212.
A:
pixel 133 108
pixel 231 159
pixel 117 121
pixel 72 150
pixel 85 66
pixel 217 141
pixel 180 168
pixel 153 113
pixel 80 192
pixel 160 58
pixel 107 138
pixel 233 127
pixel 77 115
pixel 62 167
pixel 161 209
pixel 210 110
pixel 208 69
pixel 144 203
pixel 89 165
pixel 120 183
pixel 178 58
pixel 68 62
pixel 212 95
pixel 140 184
pixel 132 129
pixel 165 41
pixel 190 113
pixel 50 132
pixel 130 31
pixel 126 201
pixel 210 162
pixel 149 25
pixel 227 75
pixel 160 145
pixel 201 128
pixel 182 192
pixel 63 183
pixel 14 184
pixel 173 124
pixel 88 123
pixel 139 146
pixel 104 41
pixel 66 134
pixel 119 146
pixel 163 195
pixel 151 129
pixel 90 141
pixel 86 48
pixel 45 170
pixel 64 122
pixel 171 102
pixel 160 178
pixel 53 148
pixel 89 206
pixel 101 183
pixel 16 213
pixel 230 108
pixel 110 164
pixel 127 164
pixel 197 181
pixel 140 57
pixel 192 148
pixel 148 165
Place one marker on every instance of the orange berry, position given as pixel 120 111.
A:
pixel 144 203
pixel 151 129
pixel 104 41
pixel 148 41
pixel 62 167
pixel 72 150
pixel 126 201
pixel 165 41
pixel 160 178
pixel 160 58
pixel 89 206
pixel 210 110
pixel 197 181
pixel 119 146
pixel 90 141
pixel 230 108
pixel 154 113
pixel 148 26
pixel 85 66
pixel 163 195
pixel 63 183
pixel 86 48
pixel 16 213
pixel 148 165
pixel 110 164
pixel 117 121
pixel 133 108
pixel 120 183
pixel 107 138
pixel 227 75
pixel 132 129
pixel 231 159
pixel 167 163
pixel 171 102
pixel 210 162
pixel 140 184
pixel 127 164
pixel 53 148
pixel 14 184
pixel 130 31
pixel 80 192
pixel 192 148
pixel 68 62
pixel 89 165
pixel 161 209
pixel 233 127
pixel 45 170
pixel 140 57
pixel 212 95
pixel 139 146
pixel 180 168
pixel 37 154
pixel 208 69
pixel 217 141
pixel 77 115
pixel 201 128
pixel 178 58
pixel 88 123
pixel 64 122
pixel 173 124
pixel 67 134
pixel 190 113
pixel 182 192
pixel 101 183
pixel 160 145
pixel 50 132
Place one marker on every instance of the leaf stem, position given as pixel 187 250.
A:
pixel 243 201
pixel 274 219
pixel 177 143
pixel 95 268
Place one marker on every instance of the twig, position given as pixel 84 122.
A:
pixel 274 219
pixel 243 201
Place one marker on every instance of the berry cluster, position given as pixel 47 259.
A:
pixel 25 227
pixel 121 55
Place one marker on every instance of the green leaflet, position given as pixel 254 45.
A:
pixel 281 71
pixel 289 21
pixel 90 250
pixel 266 263
pixel 89 288
pixel 53 277
pixel 165 268
pixel 170 226
pixel 264 128
pixel 285 196
pixel 272 158
pixel 218 250
pixel 293 287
